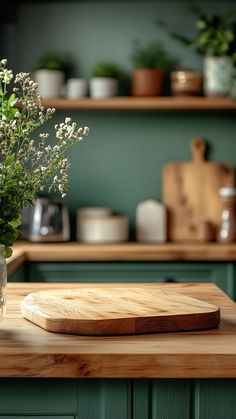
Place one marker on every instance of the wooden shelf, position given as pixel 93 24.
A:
pixel 124 252
pixel 163 103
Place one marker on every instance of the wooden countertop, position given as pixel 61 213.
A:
pixel 130 251
pixel 26 350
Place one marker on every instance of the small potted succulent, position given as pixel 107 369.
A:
pixel 51 72
pixel 104 80
pixel 150 64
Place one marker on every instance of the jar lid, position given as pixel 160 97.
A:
pixel 227 191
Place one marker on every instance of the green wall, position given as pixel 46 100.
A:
pixel 120 163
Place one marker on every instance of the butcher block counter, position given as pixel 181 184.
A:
pixel 178 375
pixel 27 350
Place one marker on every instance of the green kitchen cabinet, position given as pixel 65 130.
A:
pixel 37 417
pixel 44 398
pixel 19 275
pixel 221 273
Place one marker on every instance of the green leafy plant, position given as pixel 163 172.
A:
pixel 216 35
pixel 53 60
pixel 28 163
pixel 106 69
pixel 152 55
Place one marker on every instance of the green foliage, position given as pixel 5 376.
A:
pixel 28 163
pixel 106 69
pixel 53 60
pixel 216 35
pixel 151 56
pixel 215 38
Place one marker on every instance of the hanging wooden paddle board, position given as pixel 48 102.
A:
pixel 191 194
pixel 117 311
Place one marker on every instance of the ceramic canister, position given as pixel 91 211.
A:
pixel 87 212
pixel 105 229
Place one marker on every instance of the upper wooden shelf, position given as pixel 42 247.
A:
pixel 161 103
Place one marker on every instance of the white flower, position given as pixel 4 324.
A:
pixel 28 164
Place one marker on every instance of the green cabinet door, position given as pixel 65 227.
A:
pixel 40 397
pixel 19 275
pixel 118 398
pixel 37 417
pixel 220 273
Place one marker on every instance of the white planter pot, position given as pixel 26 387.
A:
pixel 102 87
pixel 50 82
pixel 76 88
pixel 218 76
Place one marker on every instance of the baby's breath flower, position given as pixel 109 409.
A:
pixel 28 164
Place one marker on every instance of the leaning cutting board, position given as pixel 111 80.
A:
pixel 117 311
pixel 191 194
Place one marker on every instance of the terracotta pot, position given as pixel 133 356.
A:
pixel 147 82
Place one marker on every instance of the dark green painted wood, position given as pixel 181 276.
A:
pixel 37 417
pixel 219 273
pixel 38 396
pixel 107 169
pixel 142 399
pixel 19 275
pixel 171 399
pixel 104 399
pixel 215 399
pixel 117 399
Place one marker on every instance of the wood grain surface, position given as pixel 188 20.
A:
pixel 117 311
pixel 73 251
pixel 27 350
pixel 191 194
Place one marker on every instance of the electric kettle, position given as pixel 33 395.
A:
pixel 48 221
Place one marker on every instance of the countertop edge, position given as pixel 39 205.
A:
pixel 124 252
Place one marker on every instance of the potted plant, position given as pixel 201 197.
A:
pixel 215 40
pixel 51 72
pixel 150 64
pixel 104 80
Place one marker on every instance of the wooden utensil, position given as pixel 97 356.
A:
pixel 191 194
pixel 117 311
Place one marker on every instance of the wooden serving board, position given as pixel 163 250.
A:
pixel 117 311
pixel 191 194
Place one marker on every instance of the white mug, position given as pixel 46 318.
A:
pixel 76 88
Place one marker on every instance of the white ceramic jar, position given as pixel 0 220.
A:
pixel 151 221
pixel 86 212
pixel 105 229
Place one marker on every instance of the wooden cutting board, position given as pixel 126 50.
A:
pixel 117 311
pixel 191 195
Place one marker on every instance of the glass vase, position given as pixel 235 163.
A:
pixel 3 282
